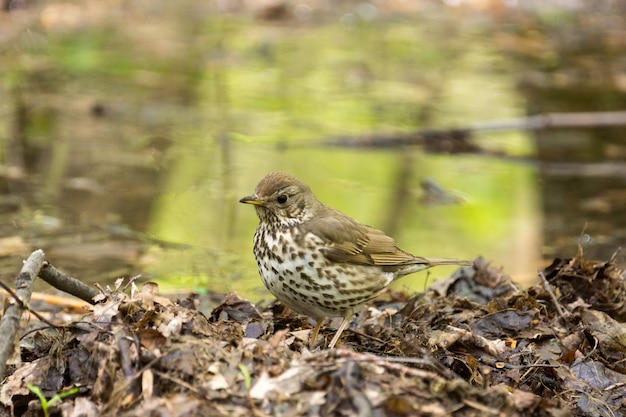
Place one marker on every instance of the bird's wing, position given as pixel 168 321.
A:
pixel 352 242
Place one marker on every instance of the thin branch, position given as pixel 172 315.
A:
pixel 25 306
pixel 546 286
pixel 67 284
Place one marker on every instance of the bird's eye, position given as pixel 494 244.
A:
pixel 282 199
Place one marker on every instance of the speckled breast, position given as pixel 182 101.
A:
pixel 294 269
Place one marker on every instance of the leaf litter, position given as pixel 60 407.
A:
pixel 470 345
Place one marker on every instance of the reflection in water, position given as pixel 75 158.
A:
pixel 434 195
pixel 498 221
pixel 130 141
pixel 583 209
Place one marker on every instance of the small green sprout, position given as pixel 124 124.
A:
pixel 45 403
pixel 246 375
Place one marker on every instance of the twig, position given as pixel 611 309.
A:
pixel 365 335
pixel 614 386
pixel 175 380
pixel 583 235
pixel 23 290
pixel 612 258
pixel 55 300
pixel 67 284
pixel 595 346
pixel 531 368
pixel 130 282
pixel 392 363
pixel 25 306
pixel 546 286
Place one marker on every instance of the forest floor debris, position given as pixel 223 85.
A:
pixel 470 345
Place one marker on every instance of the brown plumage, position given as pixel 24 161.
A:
pixel 319 261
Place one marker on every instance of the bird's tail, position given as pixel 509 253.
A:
pixel 420 264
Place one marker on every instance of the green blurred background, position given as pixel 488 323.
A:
pixel 129 130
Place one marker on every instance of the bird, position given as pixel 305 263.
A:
pixel 317 260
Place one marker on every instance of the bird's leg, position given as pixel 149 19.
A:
pixel 346 320
pixel 318 324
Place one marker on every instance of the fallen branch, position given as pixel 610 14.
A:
pixel 35 265
pixel 67 284
pixel 458 140
pixel 11 320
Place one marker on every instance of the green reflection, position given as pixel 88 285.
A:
pixel 268 87
pixel 497 217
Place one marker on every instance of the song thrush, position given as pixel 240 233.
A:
pixel 319 261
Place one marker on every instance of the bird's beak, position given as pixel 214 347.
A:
pixel 252 199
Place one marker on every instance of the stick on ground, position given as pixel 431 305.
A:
pixel 23 289
pixel 67 284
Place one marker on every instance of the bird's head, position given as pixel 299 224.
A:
pixel 281 197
